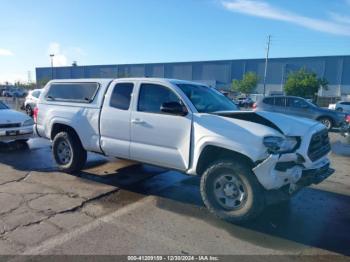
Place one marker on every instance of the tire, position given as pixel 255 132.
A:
pixel 327 122
pixel 29 110
pixel 251 204
pixel 68 152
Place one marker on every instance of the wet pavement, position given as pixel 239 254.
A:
pixel 45 211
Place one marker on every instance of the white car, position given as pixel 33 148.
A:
pixel 342 106
pixel 246 160
pixel 31 101
pixel 14 126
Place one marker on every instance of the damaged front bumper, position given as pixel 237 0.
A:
pixel 279 171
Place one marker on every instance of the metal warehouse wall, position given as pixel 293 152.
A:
pixel 336 69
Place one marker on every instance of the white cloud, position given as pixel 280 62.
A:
pixel 5 52
pixel 13 77
pixel 340 18
pixel 62 56
pixel 265 10
pixel 59 58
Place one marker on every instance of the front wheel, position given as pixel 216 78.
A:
pixel 231 191
pixel 68 152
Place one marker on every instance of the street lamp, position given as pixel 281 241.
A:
pixel 51 56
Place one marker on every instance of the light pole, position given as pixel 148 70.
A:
pixel 51 56
pixel 266 61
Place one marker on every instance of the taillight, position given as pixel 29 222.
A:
pixel 347 118
pixel 254 106
pixel 35 114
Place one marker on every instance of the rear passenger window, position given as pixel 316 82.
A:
pixel 152 96
pixel 73 92
pixel 121 96
pixel 280 101
pixel 268 100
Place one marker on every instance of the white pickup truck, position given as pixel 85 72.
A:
pixel 246 160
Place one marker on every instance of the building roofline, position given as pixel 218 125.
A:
pixel 204 61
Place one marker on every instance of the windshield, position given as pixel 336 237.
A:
pixel 3 106
pixel 207 100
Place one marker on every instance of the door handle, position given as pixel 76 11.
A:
pixel 137 121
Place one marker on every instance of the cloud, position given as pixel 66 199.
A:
pixel 340 18
pixel 265 10
pixel 13 77
pixel 5 52
pixel 59 58
pixel 63 55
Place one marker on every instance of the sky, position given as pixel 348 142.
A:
pixel 144 31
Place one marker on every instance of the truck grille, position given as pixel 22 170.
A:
pixel 11 125
pixel 319 145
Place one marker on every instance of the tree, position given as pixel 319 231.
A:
pixel 247 85
pixel 304 83
pixel 42 82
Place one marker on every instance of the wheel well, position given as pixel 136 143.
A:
pixel 57 128
pixel 328 117
pixel 213 153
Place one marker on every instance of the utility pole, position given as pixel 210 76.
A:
pixel 51 56
pixel 266 61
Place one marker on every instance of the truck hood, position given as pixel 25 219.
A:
pixel 285 124
pixel 8 116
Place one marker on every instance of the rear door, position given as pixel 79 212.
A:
pixel 280 104
pixel 159 138
pixel 115 120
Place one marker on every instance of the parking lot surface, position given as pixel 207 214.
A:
pixel 119 207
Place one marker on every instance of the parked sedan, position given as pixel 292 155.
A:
pixel 14 126
pixel 15 92
pixel 31 100
pixel 342 106
pixel 298 106
pixel 245 102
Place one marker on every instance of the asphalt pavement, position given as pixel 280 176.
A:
pixel 120 207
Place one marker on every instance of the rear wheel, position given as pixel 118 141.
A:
pixel 29 110
pixel 68 152
pixel 327 122
pixel 231 191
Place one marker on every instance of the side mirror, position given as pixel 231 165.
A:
pixel 174 108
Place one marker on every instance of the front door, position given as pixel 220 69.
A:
pixel 298 107
pixel 159 138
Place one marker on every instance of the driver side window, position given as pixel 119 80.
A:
pixel 152 96
pixel 298 103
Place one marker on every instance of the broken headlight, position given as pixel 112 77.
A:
pixel 277 144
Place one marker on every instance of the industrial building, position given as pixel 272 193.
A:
pixel 219 74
